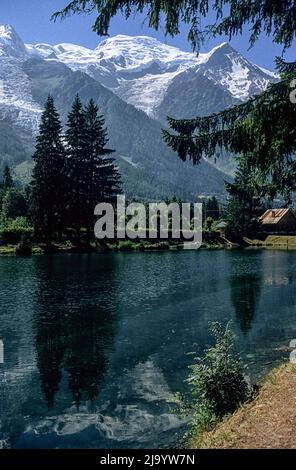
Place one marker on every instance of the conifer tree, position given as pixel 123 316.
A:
pixel 48 180
pixel 103 176
pixel 7 179
pixel 77 168
pixel 245 197
pixel 212 208
pixel 92 175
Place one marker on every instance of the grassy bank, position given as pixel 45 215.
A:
pixel 274 241
pixel 268 421
pixel 121 246
pixel 9 250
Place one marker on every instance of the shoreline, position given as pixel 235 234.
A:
pixel 10 250
pixel 267 421
pixel 120 247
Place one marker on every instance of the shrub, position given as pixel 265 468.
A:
pixel 209 224
pixel 24 248
pixel 12 231
pixel 126 245
pixel 216 382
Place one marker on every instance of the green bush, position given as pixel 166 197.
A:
pixel 216 381
pixel 127 245
pixel 12 231
pixel 24 248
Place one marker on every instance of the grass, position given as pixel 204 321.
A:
pixel 279 241
pixel 267 422
pixel 103 247
pixel 9 250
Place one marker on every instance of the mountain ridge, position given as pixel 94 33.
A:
pixel 140 69
pixel 148 166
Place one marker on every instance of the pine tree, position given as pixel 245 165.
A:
pixel 92 175
pixel 48 180
pixel 212 208
pixel 103 176
pixel 7 179
pixel 245 196
pixel 77 168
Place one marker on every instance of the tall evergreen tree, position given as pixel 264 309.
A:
pixel 103 178
pixel 245 196
pixel 77 168
pixel 48 181
pixel 7 179
pixel 212 208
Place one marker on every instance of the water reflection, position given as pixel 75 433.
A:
pixel 71 338
pixel 245 297
pixel 96 346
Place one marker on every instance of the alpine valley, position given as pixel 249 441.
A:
pixel 137 82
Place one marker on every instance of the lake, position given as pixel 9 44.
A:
pixel 96 346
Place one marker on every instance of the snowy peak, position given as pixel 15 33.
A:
pixel 10 43
pixel 242 79
pixel 16 99
pixel 134 52
pixel 141 69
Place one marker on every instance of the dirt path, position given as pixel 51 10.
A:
pixel 268 422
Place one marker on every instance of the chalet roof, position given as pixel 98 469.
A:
pixel 274 216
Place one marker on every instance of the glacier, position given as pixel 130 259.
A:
pixel 140 69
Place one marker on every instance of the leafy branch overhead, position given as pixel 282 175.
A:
pixel 275 18
pixel 262 128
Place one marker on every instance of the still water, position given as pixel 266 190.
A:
pixel 96 346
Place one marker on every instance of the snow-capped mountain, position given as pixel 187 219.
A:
pixel 16 100
pixel 11 44
pixel 141 70
pixel 138 69
pixel 125 76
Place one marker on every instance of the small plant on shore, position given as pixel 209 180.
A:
pixel 126 245
pixel 217 383
pixel 24 248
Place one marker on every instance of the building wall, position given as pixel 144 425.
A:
pixel 287 225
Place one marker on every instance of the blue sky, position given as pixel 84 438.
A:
pixel 31 18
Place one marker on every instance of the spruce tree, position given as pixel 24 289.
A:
pixel 77 168
pixel 103 176
pixel 245 197
pixel 7 179
pixel 48 180
pixel 212 208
